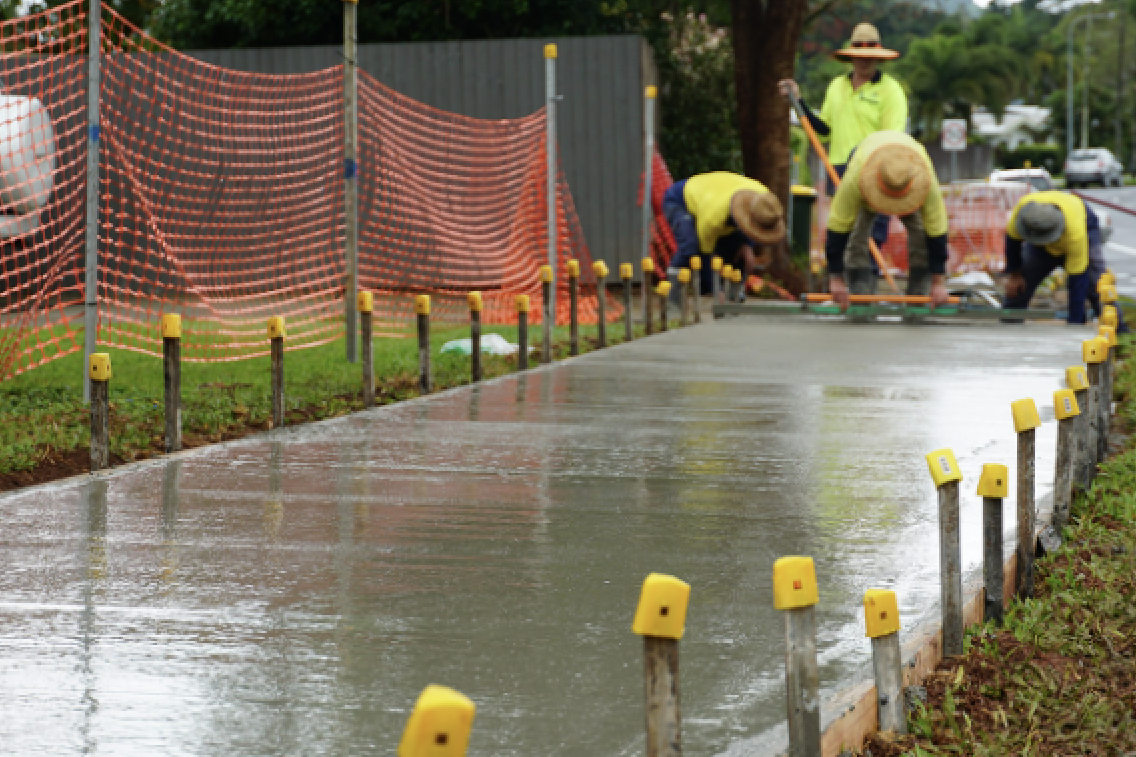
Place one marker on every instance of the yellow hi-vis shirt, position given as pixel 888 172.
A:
pixel 708 198
pixel 848 201
pixel 1074 243
pixel 854 114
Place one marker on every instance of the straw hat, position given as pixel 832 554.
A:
pixel 865 43
pixel 758 215
pixel 1039 223
pixel 895 180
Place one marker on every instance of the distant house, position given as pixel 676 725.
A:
pixel 1020 125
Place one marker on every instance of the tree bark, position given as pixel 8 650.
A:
pixel 765 48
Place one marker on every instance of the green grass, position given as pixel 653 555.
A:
pixel 43 416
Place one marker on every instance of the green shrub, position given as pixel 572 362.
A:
pixel 1049 157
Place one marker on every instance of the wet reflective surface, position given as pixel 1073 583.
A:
pixel 293 595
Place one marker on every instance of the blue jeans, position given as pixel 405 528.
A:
pixel 685 232
pixel 1037 264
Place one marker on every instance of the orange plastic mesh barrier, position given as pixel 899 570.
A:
pixel 221 197
pixel 663 245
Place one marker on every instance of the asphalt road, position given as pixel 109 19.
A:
pixel 1120 252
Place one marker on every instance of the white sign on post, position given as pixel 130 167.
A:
pixel 954 134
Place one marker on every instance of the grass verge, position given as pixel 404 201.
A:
pixel 1060 677
pixel 45 427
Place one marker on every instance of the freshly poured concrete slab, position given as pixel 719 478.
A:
pixel 293 595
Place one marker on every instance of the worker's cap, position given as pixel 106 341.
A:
pixel 865 43
pixel 895 179
pixel 1039 223
pixel 758 215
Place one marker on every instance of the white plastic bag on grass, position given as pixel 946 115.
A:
pixel 491 344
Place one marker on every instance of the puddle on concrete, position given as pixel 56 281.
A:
pixel 294 595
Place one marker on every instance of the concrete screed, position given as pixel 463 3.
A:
pixel 293 594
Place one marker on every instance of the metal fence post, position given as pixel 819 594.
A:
pixel 350 181
pixel 550 170
pixel 1026 421
pixel 993 487
pixel 795 592
pixel 660 619
pixel 946 474
pixel 881 623
pixel 91 295
pixel 648 211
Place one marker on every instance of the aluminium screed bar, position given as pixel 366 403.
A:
pixel 550 175
pixel 350 182
pixel 91 296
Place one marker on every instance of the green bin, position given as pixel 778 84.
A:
pixel 804 198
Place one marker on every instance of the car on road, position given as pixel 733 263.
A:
pixel 1095 165
pixel 1038 178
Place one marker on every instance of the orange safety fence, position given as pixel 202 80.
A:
pixel 221 198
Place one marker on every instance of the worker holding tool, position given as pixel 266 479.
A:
pixel 1051 229
pixel 723 214
pixel 861 103
pixel 888 173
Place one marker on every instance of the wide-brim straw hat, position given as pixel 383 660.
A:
pixel 865 43
pixel 759 215
pixel 895 180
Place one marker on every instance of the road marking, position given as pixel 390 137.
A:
pixel 1122 249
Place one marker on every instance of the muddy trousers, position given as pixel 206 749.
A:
pixel 859 267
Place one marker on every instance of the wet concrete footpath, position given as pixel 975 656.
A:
pixel 292 595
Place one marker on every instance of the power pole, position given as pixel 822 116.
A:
pixel 1121 65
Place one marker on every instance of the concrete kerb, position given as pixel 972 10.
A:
pixel 287 432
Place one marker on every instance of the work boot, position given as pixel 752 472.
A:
pixel 919 282
pixel 862 280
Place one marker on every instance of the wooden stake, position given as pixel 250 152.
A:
pixel 99 373
pixel 684 296
pixel 626 274
pixel 573 307
pixel 1081 441
pixel 663 291
pixel 660 619
pixel 696 286
pixel 546 346
pixel 993 488
pixel 881 620
pixel 422 310
pixel 276 336
pixel 171 351
pixel 1027 513
pixel 475 306
pixel 366 309
pixel 1067 412
pixel 522 303
pixel 946 474
pixel 795 592
pixel 648 286
pixel 1095 353
pixel 599 268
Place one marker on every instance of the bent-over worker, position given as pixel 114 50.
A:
pixel 1051 229
pixel 888 173
pixel 721 214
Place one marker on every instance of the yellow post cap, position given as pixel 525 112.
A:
pixel 1107 333
pixel 276 328
pixel 794 583
pixel 439 726
pixel 1110 317
pixel 881 613
pixel 366 302
pixel 728 272
pixel 663 289
pixel 574 268
pixel 550 50
pixel 662 607
pixel 546 274
pixel 522 302
pixel 1076 378
pixel 599 268
pixel 684 276
pixel 1065 404
pixel 99 366
pixel 474 300
pixel 1109 294
pixel 1093 351
pixel 626 271
pixel 651 92
pixel 696 263
pixel 737 276
pixel 171 326
pixel 1108 278
pixel 1025 415
pixel 715 263
pixel 422 304
pixel 995 481
pixel 648 265
pixel 943 466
